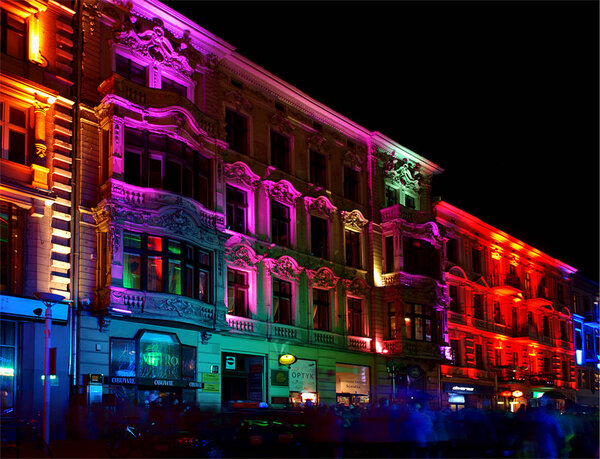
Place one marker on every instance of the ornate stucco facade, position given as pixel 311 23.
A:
pixel 203 217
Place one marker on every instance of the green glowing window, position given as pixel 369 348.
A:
pixel 160 356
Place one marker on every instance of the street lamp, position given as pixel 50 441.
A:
pixel 49 300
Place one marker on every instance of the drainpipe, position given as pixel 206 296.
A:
pixel 76 198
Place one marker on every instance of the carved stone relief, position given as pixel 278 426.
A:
pixel 321 206
pixel 284 266
pixel 322 277
pixel 354 220
pixel 282 191
pixel 356 286
pixel 239 101
pixel 241 255
pixel 318 142
pixel 241 173
pixel 281 123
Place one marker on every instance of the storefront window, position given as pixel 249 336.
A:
pixel 159 356
pixel 122 357
pixel 352 384
pixel 7 364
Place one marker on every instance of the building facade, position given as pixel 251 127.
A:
pixel 509 327
pixel 586 334
pixel 204 218
pixel 36 192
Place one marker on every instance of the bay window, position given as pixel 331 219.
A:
pixel 422 323
pixel 158 161
pixel 131 70
pixel 161 264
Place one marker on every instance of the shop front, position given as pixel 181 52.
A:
pixel 153 368
pixel 243 378
pixel 352 384
pixel 459 395
pixel 303 382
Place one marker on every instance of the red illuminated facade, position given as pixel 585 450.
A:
pixel 510 327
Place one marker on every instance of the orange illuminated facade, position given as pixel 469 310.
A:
pixel 510 326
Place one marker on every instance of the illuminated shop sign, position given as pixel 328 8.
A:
pixel 287 359
pixel 352 379
pixel 303 376
pixel 466 389
pixel 125 381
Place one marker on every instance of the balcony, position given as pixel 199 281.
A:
pixel 398 211
pixel 542 379
pixel 457 318
pixel 507 374
pixel 481 324
pixel 422 349
pixel 564 344
pixel 527 332
pixel 286 332
pixel 324 338
pixel 539 297
pixel 502 329
pixel 163 307
pixel 546 340
pixel 358 343
pixel 511 286
pixel 454 371
pixel 156 98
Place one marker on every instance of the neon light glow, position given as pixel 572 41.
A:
pixel 579 356
pixel 7 371
pixel 517 393
pixel 538 394
pixel 122 311
pixel 34 40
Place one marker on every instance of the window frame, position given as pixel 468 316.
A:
pixel 323 249
pixel 354 312
pixel 321 311
pixel 276 163
pixel 13 256
pixel 427 313
pixel 318 170
pixel 352 186
pixel 276 237
pixel 7 127
pixel 237 286
pixel 5 28
pixel 198 266
pixel 355 249
pixel 233 205
pixel 276 310
pixel 232 135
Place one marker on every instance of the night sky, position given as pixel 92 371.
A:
pixel 503 96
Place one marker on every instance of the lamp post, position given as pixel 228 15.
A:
pixel 49 300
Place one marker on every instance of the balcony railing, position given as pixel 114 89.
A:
pixel 156 98
pixel 457 318
pixel 547 340
pixel 409 215
pixel 502 329
pixel 510 374
pixel 480 324
pixel 450 370
pixel 529 331
pixel 542 379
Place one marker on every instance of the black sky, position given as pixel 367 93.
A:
pixel 503 96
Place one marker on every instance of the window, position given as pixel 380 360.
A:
pixel 282 302
pixel 355 317
pixel 351 184
pixel 158 161
pixel 391 196
pixel 237 131
pixel 13 35
pixel 352 239
pixel 8 357
pixel 389 254
pixel 566 374
pixel 237 292
pixel 320 309
pixel 319 236
pixel 498 313
pixel 420 257
pixel 188 362
pixel 479 363
pixel 545 326
pixel 122 357
pixel 12 235
pixel 318 169
pixel 409 202
pixel 422 323
pixel 560 295
pixel 391 320
pixel 13 133
pixel 280 152
pixel 173 86
pixel 498 357
pixel 454 304
pixel 131 70
pixel 515 359
pixel 564 335
pixel 547 366
pixel 476 258
pixel 160 264
pixel 236 209
pixel 452 250
pixel 478 307
pixel 455 350
pixel 280 224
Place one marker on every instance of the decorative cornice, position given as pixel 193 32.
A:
pixel 356 286
pixel 318 142
pixel 321 206
pixel 281 123
pixel 241 255
pixel 354 220
pixel 322 277
pixel 427 231
pixel 282 191
pixel 241 173
pixel 284 266
pixel 239 101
